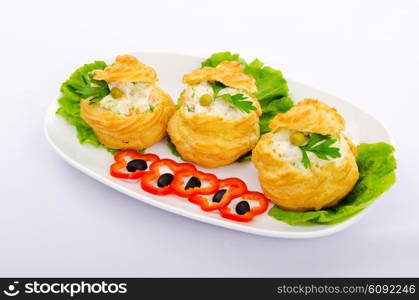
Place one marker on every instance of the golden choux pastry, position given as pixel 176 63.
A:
pixel 135 113
pixel 230 73
pixel 320 180
pixel 208 128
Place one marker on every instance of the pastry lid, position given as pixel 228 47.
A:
pixel 310 115
pixel 127 68
pixel 230 73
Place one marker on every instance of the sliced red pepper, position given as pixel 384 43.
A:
pixel 179 184
pixel 119 168
pixel 149 180
pixel 248 216
pixel 233 187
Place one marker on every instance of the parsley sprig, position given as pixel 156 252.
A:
pixel 96 89
pixel 217 87
pixel 320 145
pixel 237 100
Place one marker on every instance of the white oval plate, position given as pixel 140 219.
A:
pixel 361 127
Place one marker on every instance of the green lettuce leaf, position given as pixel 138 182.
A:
pixel 270 110
pixel 272 87
pixel 245 157
pixel 172 147
pixel 376 164
pixel 75 88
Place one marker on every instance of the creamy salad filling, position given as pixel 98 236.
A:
pixel 200 100
pixel 128 98
pixel 283 146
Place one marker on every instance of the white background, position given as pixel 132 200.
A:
pixel 55 221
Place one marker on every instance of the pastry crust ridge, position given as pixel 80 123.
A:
pixel 127 68
pixel 310 115
pixel 229 73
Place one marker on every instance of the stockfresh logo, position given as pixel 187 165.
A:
pixel 12 290
pixel 65 288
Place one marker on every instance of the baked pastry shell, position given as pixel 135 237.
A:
pixel 212 141
pixel 300 190
pixel 136 131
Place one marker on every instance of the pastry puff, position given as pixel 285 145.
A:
pixel 136 131
pixel 213 141
pixel 229 73
pixel 293 187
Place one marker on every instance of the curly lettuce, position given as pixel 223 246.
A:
pixel 376 164
pixel 77 87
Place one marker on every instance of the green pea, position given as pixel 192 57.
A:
pixel 205 100
pixel 297 139
pixel 116 93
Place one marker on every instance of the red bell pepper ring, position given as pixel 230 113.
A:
pixel 226 212
pixel 179 188
pixel 149 180
pixel 122 159
pixel 233 187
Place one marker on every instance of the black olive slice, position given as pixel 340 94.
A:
pixel 136 164
pixel 219 196
pixel 242 207
pixel 193 182
pixel 165 180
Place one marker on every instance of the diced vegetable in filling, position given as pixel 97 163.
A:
pixel 128 98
